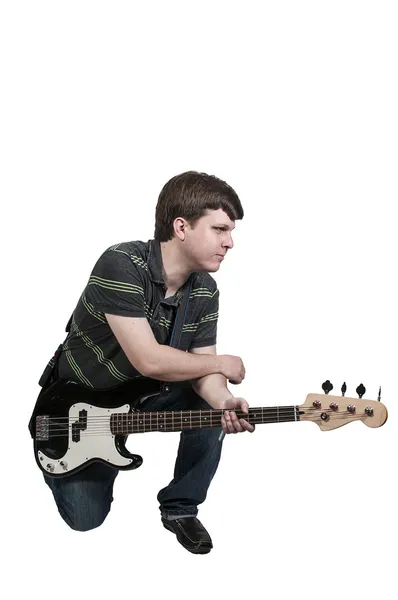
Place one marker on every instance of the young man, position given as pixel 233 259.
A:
pixel 121 329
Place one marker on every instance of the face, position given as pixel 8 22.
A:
pixel 206 245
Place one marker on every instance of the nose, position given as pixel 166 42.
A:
pixel 228 242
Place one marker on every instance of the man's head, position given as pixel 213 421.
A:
pixel 197 212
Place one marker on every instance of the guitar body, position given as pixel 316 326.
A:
pixel 70 426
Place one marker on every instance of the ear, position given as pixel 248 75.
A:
pixel 180 226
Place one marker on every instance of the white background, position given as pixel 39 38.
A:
pixel 294 104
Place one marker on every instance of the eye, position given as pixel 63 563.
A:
pixel 218 228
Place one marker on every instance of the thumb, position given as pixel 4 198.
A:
pixel 244 405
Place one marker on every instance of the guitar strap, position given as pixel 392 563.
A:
pixel 51 371
pixel 175 339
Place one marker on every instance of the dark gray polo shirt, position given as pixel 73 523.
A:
pixel 127 280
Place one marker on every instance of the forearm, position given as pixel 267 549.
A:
pixel 213 389
pixel 170 364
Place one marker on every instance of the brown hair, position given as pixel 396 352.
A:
pixel 188 195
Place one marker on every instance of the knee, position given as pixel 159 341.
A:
pixel 85 519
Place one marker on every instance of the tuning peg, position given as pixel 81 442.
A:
pixel 327 386
pixel 343 389
pixel 361 389
pixel 379 396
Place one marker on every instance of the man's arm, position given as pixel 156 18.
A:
pixel 158 361
pixel 212 388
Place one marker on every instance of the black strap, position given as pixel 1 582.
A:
pixel 179 321
pixel 175 339
pixel 50 373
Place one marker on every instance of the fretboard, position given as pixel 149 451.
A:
pixel 141 422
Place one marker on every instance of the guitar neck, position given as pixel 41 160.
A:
pixel 141 422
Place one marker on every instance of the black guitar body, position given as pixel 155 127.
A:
pixel 61 425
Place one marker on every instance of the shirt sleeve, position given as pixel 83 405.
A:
pixel 116 285
pixel 206 333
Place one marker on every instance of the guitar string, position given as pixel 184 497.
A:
pixel 107 430
pixel 156 417
pixel 206 412
pixel 178 426
pixel 173 415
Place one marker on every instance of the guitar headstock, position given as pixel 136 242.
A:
pixel 330 412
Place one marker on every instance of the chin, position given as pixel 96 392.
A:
pixel 209 266
pixel 213 268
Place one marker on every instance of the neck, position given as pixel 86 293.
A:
pixel 175 269
pixel 140 422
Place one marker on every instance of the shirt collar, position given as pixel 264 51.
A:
pixel 155 263
pixel 155 269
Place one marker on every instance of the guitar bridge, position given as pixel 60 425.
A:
pixel 42 428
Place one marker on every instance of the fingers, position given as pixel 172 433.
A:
pixel 228 423
pixel 247 426
pixel 231 424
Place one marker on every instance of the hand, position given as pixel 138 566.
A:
pixel 230 422
pixel 232 368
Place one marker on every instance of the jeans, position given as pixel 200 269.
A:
pixel 84 498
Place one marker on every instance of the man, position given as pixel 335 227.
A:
pixel 121 329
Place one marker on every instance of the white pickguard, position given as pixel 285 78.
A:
pixel 96 441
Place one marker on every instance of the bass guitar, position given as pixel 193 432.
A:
pixel 73 426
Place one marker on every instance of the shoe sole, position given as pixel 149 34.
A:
pixel 198 550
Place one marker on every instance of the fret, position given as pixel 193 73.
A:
pixel 172 420
pixel 190 419
pixel 186 421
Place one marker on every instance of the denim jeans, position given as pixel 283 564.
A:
pixel 84 498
